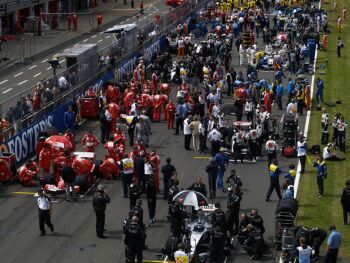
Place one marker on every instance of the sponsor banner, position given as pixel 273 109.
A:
pixel 24 143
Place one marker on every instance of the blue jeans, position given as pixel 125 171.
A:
pixel 221 173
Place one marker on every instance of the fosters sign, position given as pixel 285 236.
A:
pixel 24 143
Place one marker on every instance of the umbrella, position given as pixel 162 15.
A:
pixel 60 142
pixel 191 198
pixel 278 13
pixel 297 10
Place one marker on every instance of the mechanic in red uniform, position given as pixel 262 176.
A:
pixel 267 101
pixel 128 101
pixel 165 88
pixel 164 99
pixel 114 110
pixel 99 21
pixel 112 94
pixel 70 137
pixel 157 106
pixel 90 142
pixel 154 82
pixel 134 153
pixel 155 159
pixel 45 160
pixel 37 100
pixel 111 147
pixel 69 22
pixel 58 163
pixel 170 113
pixel 109 168
pixel 145 101
pixel 119 135
pixel 26 175
pixel 90 93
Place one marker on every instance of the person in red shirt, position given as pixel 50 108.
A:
pixel 128 101
pixel 119 136
pixel 170 112
pixel 340 23
pixel 111 147
pixel 26 175
pixel 75 22
pixel 45 160
pixel 325 41
pixel 267 101
pixel 157 106
pixel 165 88
pixel 70 137
pixel 90 142
pixel 99 21
pixel 112 94
pixel 134 153
pixel 109 168
pixel 90 93
pixel 164 99
pixel 37 100
pixel 155 159
pixel 114 110
pixel 58 163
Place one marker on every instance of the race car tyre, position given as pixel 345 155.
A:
pixel 47 179
pixel 82 181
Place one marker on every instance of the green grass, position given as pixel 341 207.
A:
pixel 323 211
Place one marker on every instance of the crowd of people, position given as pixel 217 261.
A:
pixel 208 86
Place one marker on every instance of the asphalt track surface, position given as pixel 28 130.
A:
pixel 17 79
pixel 74 239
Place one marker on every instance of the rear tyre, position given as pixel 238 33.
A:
pixel 82 181
pixel 47 179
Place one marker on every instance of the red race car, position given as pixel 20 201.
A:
pixel 174 3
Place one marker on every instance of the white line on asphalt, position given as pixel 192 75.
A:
pixel 37 75
pixel 7 90
pixel 61 61
pixel 107 37
pixel 66 49
pixel 2 82
pixel 101 33
pixel 127 19
pixel 100 41
pixel 24 81
pixel 48 68
pixel 44 61
pixel 122 22
pixel 56 55
pixel 85 40
pixel 18 74
pixel 32 67
pixel 94 36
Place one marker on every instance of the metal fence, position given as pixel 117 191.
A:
pixel 54 92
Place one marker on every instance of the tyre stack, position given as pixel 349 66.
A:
pixel 288 205
pixel 290 130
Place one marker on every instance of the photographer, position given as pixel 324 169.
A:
pixel 99 203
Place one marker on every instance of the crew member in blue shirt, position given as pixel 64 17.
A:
pixel 180 117
pixel 290 89
pixel 69 119
pixel 274 180
pixel 321 167
pixel 279 93
pixel 319 90
pixel 222 161
pixel 333 244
